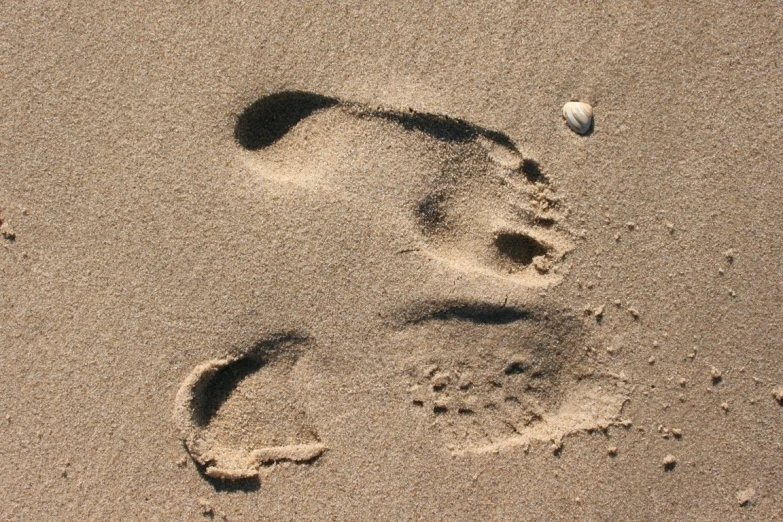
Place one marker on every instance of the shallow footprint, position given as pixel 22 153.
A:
pixel 492 377
pixel 239 413
pixel 474 202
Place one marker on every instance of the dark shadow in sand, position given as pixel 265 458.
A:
pixel 443 127
pixel 223 383
pixel 269 118
pixel 479 313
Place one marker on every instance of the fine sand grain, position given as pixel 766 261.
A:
pixel 349 262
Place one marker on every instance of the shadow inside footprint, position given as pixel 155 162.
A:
pixel 532 171
pixel 211 385
pixel 269 118
pixel 480 313
pixel 519 248
pixel 222 385
pixel 443 127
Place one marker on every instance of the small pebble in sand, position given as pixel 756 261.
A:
pixel 777 393
pixel 634 313
pixel 724 406
pixel 677 432
pixel 206 508
pixel 683 382
pixel 429 371
pixel 651 361
pixel 617 303
pixel 6 232
pixel 716 375
pixel 745 496
pixel 669 462
pixel 599 312
pixel 729 255
pixel 610 350
pixel 440 380
pixel 612 451
pixel 631 225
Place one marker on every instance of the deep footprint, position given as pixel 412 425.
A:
pixel 483 208
pixel 212 387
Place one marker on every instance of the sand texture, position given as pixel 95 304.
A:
pixel 347 261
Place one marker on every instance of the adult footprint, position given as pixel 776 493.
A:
pixel 473 201
pixel 488 377
pixel 239 413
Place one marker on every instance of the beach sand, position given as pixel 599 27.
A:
pixel 348 262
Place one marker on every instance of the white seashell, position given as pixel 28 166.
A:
pixel 579 116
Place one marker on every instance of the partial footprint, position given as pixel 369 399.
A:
pixel 489 377
pixel 239 413
pixel 473 202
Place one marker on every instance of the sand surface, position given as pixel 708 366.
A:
pixel 308 261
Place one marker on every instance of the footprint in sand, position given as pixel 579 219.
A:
pixel 485 376
pixel 260 425
pixel 478 205
pixel 493 377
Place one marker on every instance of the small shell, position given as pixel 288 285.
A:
pixel 579 116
